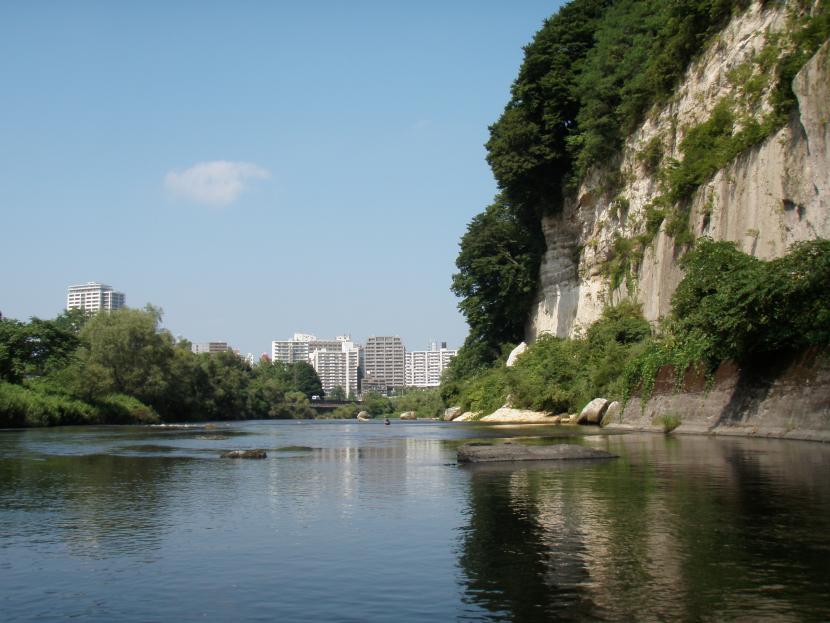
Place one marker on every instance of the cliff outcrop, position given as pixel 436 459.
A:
pixel 771 195
pixel 784 397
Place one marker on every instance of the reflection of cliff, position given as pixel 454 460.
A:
pixel 677 529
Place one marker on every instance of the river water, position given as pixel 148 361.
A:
pixel 366 522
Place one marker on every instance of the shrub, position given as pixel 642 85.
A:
pixel 730 305
pixel 667 422
pixel 22 406
pixel 121 409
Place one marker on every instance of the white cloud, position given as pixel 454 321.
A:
pixel 216 183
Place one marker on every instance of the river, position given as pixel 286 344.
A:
pixel 366 522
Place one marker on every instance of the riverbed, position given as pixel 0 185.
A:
pixel 349 521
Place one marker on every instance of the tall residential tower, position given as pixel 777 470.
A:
pixel 94 297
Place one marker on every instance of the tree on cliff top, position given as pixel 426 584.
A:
pixel 497 270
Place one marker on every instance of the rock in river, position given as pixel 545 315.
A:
pixel 244 454
pixel 593 411
pixel 481 453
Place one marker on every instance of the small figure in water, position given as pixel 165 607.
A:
pixel 386 421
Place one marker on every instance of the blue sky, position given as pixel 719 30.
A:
pixel 253 168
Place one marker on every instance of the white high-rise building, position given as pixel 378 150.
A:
pixel 337 367
pixel 94 297
pixel 424 367
pixel 300 347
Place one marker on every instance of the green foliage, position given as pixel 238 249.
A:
pixel 124 352
pixel 809 30
pixel 36 348
pixel 530 147
pixel 733 306
pixel 652 154
pixel 121 368
pixel 588 77
pixel 426 403
pixel 121 409
pixel 497 270
pixel 344 412
pixel 668 422
pixel 557 375
pixel 337 393
pixel 21 406
pixel 376 404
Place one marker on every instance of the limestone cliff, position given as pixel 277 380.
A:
pixel 770 196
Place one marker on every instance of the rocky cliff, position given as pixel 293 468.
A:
pixel 771 195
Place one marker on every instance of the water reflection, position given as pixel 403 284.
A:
pixel 678 529
pixel 96 505
pixel 376 523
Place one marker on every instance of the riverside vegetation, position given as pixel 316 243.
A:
pixel 120 367
pixel 589 78
pixel 729 306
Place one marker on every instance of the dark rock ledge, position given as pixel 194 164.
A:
pixel 479 453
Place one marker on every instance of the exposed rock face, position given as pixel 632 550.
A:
pixel 364 415
pixel 467 416
pixel 771 196
pixel 613 413
pixel 408 415
pixel 787 398
pixel 514 354
pixel 244 454
pixel 451 413
pixel 474 453
pixel 593 411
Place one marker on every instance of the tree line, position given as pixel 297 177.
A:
pixel 122 367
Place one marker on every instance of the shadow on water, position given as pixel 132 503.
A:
pixel 693 529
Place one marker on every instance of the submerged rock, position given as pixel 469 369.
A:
pixel 244 454
pixel 477 453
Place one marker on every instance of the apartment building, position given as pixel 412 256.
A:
pixel 385 361
pixel 301 345
pixel 337 367
pixel 94 297
pixel 210 347
pixel 424 367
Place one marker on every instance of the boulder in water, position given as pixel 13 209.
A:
pixel 244 454
pixel 593 411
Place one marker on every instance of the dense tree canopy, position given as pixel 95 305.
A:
pixel 122 367
pixel 497 271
